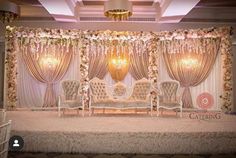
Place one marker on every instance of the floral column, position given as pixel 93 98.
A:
pixel 153 67
pixel 227 61
pixel 84 64
pixel 11 68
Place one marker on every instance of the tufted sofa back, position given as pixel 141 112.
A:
pixel 98 89
pixel 141 89
pixel 169 91
pixel 70 89
pixel 119 89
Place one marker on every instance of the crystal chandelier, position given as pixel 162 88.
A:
pixel 119 62
pixel 118 10
pixel 49 61
pixel 8 11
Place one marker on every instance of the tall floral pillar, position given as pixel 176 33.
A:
pixel 84 65
pixel 227 67
pixel 153 67
pixel 11 69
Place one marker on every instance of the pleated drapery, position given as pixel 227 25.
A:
pixel 139 65
pixel 48 66
pixel 97 65
pixel 190 61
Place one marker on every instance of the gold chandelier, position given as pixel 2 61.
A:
pixel 118 10
pixel 8 11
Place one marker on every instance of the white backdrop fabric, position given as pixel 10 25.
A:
pixel 31 92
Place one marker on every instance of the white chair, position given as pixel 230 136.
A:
pixel 99 95
pixel 5 130
pixel 70 99
pixel 2 116
pixel 141 95
pixel 169 98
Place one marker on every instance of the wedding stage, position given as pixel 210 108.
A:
pixel 44 131
pixel 181 72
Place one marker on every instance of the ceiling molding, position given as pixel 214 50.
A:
pixel 164 11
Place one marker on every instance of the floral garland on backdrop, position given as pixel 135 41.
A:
pixel 104 39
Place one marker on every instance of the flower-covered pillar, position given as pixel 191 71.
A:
pixel 84 65
pixel 11 69
pixel 153 67
pixel 227 67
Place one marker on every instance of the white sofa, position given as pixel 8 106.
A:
pixel 102 97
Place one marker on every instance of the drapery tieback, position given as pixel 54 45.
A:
pixel 187 98
pixel 49 98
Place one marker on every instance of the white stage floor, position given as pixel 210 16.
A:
pixel 127 133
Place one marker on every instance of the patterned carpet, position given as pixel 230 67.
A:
pixel 58 155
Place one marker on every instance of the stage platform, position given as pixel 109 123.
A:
pixel 44 131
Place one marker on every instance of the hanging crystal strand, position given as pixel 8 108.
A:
pixel 105 48
pixel 129 48
pixel 139 48
pixel 99 49
pixel 122 49
pixel 96 52
pixel 67 45
pixel 88 48
pixel 132 48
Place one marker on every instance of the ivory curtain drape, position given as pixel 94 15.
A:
pixel 97 65
pixel 47 67
pixel 190 63
pixel 139 65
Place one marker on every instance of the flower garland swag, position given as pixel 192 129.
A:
pixel 11 69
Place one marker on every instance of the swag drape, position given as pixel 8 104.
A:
pixel 97 65
pixel 47 65
pixel 139 65
pixel 190 63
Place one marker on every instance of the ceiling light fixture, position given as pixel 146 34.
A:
pixel 8 11
pixel 118 10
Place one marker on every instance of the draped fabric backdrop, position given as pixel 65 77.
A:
pixel 212 84
pixel 31 92
pixel 47 67
pixel 139 65
pixel 190 61
pixel 97 65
